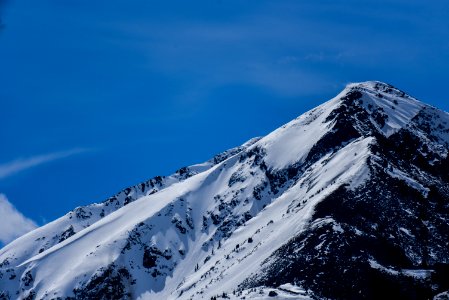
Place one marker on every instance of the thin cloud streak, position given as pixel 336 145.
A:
pixel 22 164
pixel 248 51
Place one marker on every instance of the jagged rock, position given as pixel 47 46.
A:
pixel 348 201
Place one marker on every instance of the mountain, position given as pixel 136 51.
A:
pixel 348 201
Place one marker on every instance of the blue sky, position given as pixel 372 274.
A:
pixel 98 95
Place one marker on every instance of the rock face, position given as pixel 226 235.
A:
pixel 348 201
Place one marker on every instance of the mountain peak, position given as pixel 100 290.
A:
pixel 380 91
pixel 376 86
pixel 389 108
pixel 357 185
pixel 359 110
pixel 370 84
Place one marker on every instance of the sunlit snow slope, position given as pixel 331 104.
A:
pixel 350 196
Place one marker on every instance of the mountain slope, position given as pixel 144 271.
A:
pixel 350 196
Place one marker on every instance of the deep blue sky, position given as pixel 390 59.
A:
pixel 114 92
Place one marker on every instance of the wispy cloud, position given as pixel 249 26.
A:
pixel 290 55
pixel 244 52
pixel 14 223
pixel 22 164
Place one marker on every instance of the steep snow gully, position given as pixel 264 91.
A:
pixel 348 201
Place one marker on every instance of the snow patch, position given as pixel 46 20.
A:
pixel 292 142
pixel 396 173
pixel 399 107
pixel 375 265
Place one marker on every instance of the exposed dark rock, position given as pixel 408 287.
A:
pixel 67 233
pixel 110 283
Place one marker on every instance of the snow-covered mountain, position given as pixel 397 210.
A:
pixel 348 201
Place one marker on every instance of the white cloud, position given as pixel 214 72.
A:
pixel 14 224
pixel 21 164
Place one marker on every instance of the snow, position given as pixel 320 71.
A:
pixel 347 165
pixel 400 109
pixel 442 296
pixel 419 274
pixel 292 142
pixel 223 263
pixel 286 291
pixel 396 173
pixel 280 227
pixel 406 231
pixel 46 236
pixel 71 259
pixel 292 288
pixel 416 273
pixel 375 265
pixel 437 122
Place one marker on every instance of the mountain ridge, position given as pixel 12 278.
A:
pixel 184 236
